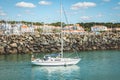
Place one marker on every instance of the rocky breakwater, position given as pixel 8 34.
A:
pixel 45 43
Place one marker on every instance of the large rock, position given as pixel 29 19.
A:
pixel 13 45
pixel 13 51
pixel 1 50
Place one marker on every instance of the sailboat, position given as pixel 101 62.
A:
pixel 55 59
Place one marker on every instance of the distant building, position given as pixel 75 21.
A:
pixel 49 29
pixel 76 29
pixel 113 29
pixel 74 32
pixel 26 29
pixel 16 29
pixel 117 29
pixel 109 29
pixel 68 28
pixel 2 26
pixel 7 28
pixel 98 28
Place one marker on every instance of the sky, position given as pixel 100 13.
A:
pixel 48 11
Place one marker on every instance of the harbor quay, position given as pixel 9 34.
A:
pixel 46 43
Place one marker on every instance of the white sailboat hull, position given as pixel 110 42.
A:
pixel 60 62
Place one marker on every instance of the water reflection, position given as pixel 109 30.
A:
pixel 53 73
pixel 67 69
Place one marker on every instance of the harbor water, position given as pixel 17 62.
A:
pixel 95 65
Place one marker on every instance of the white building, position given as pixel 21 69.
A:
pixel 16 29
pixel 8 28
pixel 26 29
pixel 98 28
pixel 76 29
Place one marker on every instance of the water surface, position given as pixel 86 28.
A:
pixel 95 65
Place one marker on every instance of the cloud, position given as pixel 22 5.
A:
pixel 0 8
pixel 118 15
pixel 45 3
pixel 113 21
pixel 119 3
pixel 29 12
pixel 82 5
pixel 106 0
pixel 99 15
pixel 117 7
pixel 19 15
pixel 85 17
pixel 2 13
pixel 25 4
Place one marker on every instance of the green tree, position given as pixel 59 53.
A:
pixel 58 24
pixel 39 30
pixel 56 30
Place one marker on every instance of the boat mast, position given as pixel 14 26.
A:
pixel 61 28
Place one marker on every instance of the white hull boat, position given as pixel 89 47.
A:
pixel 56 62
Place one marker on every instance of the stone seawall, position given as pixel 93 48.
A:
pixel 21 44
